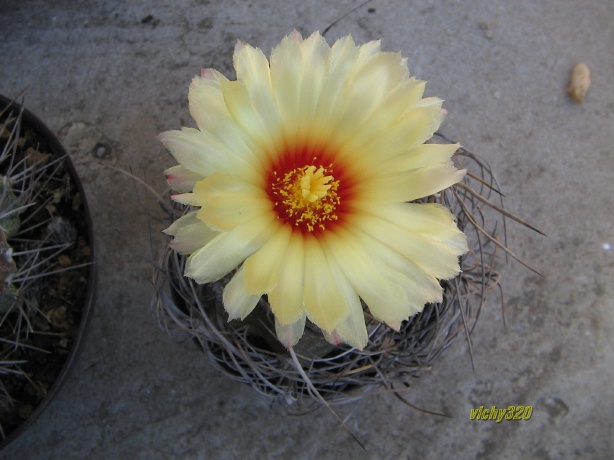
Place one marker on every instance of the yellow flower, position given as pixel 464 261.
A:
pixel 301 173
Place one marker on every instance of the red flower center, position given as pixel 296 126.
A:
pixel 306 189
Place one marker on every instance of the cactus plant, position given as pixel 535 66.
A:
pixel 44 258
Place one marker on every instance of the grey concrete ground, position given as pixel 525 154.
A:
pixel 117 72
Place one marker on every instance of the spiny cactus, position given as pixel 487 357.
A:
pixel 37 242
pixel 9 225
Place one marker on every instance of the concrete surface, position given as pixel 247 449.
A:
pixel 117 72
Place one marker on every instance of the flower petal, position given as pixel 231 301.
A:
pixel 225 212
pixel 206 100
pixel 227 201
pixel 289 334
pixel 240 108
pixel 409 131
pixel 286 78
pixel 435 258
pixel 430 220
pixel 253 71
pixel 411 185
pixel 190 234
pixel 298 70
pixel 201 153
pixel 219 184
pixel 351 330
pixel 364 93
pixel 189 148
pixel 286 298
pixel 421 157
pixel 398 102
pixel 383 289
pixel 209 110
pixel 344 55
pixel 368 85
pixel 181 179
pixel 187 199
pixel 228 249
pixel 325 304
pixel 261 268
pixel 421 287
pixel 237 302
pixel 316 66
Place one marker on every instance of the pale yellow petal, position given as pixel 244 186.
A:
pixel 190 234
pixel 286 78
pixel 331 103
pixel 408 95
pixel 410 185
pixel 225 212
pixel 240 108
pixel 181 179
pixel 409 131
pixel 253 71
pixel 421 287
pixel 384 289
pixel 237 302
pixel 324 302
pixel 262 268
pixel 289 334
pixel 432 101
pixel 298 71
pixel 188 147
pixel 399 101
pixel 333 337
pixel 351 330
pixel 209 110
pixel 205 98
pixel 187 199
pixel 316 67
pixel 229 183
pixel 286 298
pixel 431 220
pixel 356 91
pixel 435 258
pixel 370 83
pixel 203 154
pixel 369 49
pixel 422 156
pixel 227 201
pixel 228 249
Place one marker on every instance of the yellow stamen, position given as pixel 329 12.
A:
pixel 315 185
pixel 306 196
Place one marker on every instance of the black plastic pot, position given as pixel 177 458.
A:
pixel 53 146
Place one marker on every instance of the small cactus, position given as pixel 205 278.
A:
pixel 43 268
pixel 9 225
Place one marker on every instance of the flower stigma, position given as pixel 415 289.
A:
pixel 306 196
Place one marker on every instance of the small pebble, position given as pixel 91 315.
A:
pixel 487 29
pixel 101 151
pixel 579 82
pixel 76 202
pixel 64 261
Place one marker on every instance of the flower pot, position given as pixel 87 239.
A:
pixel 55 295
